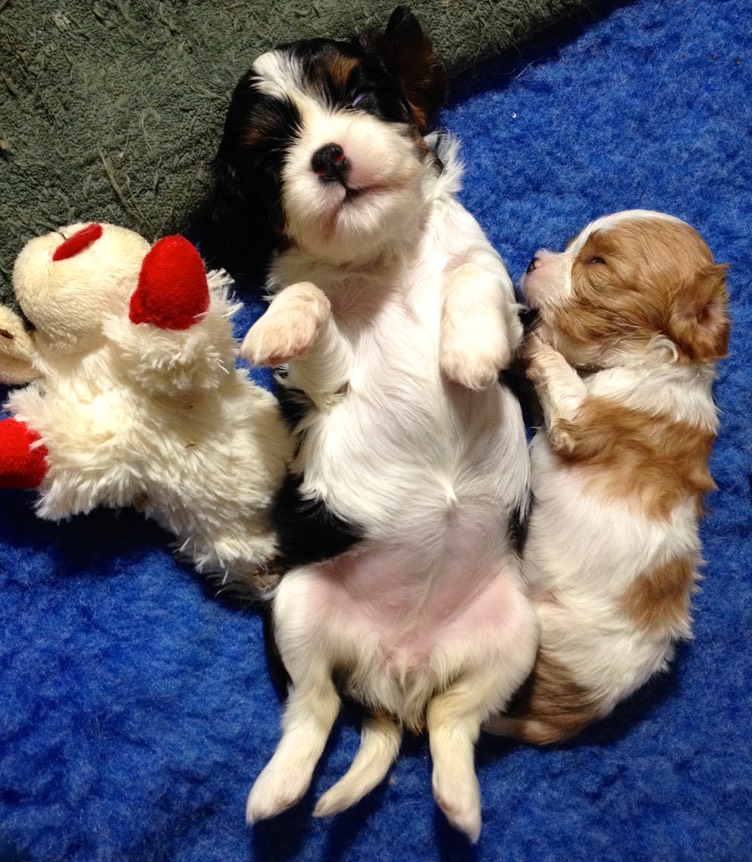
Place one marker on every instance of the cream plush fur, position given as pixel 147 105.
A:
pixel 139 414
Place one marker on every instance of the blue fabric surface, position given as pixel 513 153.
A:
pixel 136 710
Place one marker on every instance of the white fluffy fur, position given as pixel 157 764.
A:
pixel 135 415
pixel 396 323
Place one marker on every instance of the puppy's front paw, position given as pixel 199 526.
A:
pixel 474 366
pixel 288 328
pixel 533 346
pixel 541 358
pixel 473 356
pixel 562 438
pixel 480 328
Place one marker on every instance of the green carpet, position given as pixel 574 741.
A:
pixel 110 109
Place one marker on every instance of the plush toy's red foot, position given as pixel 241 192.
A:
pixel 172 290
pixel 21 466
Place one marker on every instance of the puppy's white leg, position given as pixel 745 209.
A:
pixel 310 713
pixel 480 329
pixel 379 745
pixel 454 718
pixel 289 327
pixel 455 715
pixel 324 370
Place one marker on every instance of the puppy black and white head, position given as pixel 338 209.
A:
pixel 323 149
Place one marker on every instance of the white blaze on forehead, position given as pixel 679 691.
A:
pixel 611 221
pixel 279 74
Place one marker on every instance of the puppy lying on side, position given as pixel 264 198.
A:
pixel 395 316
pixel 631 318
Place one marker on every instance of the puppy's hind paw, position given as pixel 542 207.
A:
pixel 330 804
pixel 458 796
pixel 462 815
pixel 265 801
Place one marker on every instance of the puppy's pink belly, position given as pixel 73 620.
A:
pixel 410 615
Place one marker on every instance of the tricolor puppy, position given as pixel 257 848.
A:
pixel 631 319
pixel 394 315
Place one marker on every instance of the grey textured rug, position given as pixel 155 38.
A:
pixel 110 109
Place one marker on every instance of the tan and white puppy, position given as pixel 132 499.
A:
pixel 631 319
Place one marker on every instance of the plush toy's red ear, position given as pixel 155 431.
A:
pixel 78 242
pixel 172 290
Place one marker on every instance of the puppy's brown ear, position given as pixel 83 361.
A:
pixel 408 52
pixel 698 319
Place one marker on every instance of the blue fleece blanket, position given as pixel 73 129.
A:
pixel 136 710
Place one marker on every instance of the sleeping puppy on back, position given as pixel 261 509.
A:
pixel 631 319
pixel 394 316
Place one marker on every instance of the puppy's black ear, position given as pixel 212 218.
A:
pixel 233 226
pixel 409 54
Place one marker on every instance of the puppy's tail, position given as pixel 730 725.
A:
pixel 527 730
pixel 379 744
pixel 550 706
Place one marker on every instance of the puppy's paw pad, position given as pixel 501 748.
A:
pixel 457 793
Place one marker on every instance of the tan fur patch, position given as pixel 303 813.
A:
pixel 658 600
pixel 264 120
pixel 339 70
pixel 653 461
pixel 550 706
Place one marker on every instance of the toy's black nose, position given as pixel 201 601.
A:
pixel 331 164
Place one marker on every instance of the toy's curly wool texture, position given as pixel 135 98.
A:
pixel 135 712
pixel 156 419
pixel 111 110
pixel 135 398
pixel 168 361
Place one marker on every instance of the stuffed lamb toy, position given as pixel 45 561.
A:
pixel 135 398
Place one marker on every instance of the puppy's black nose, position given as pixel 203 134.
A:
pixel 331 164
pixel 534 264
